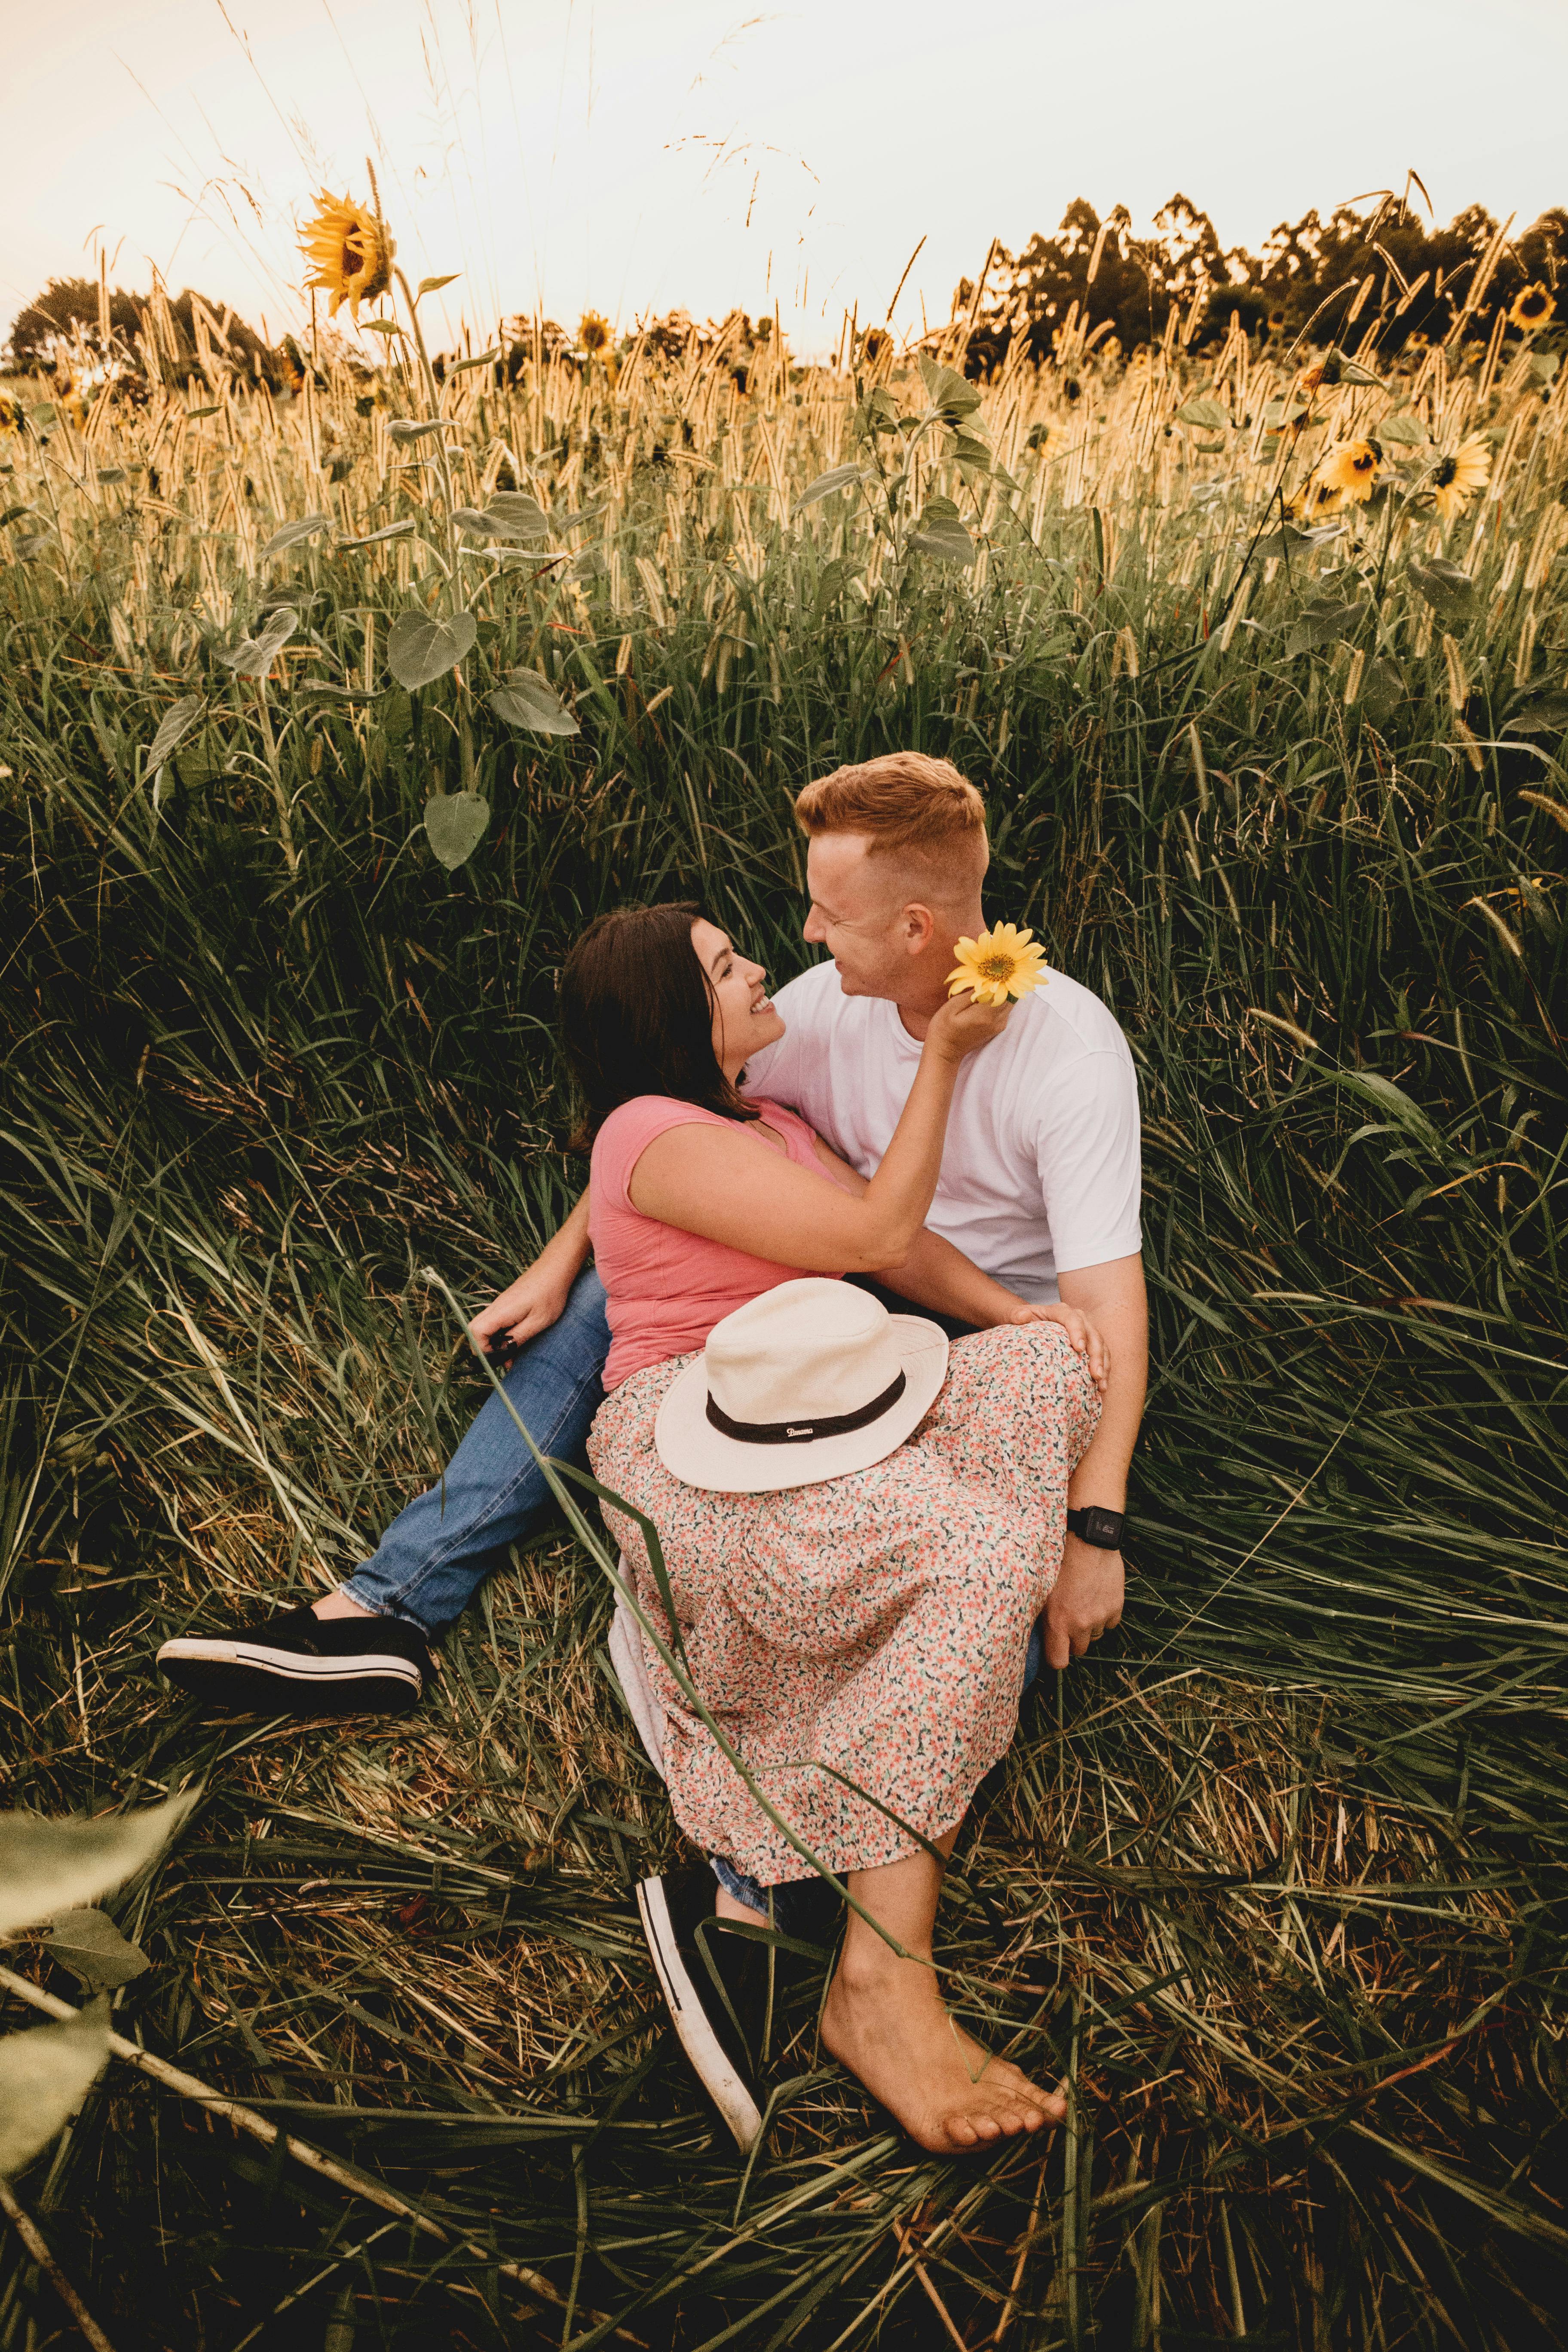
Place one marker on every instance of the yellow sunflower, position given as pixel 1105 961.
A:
pixel 352 251
pixel 1350 469
pixel 1459 473
pixel 1002 962
pixel 593 334
pixel 1530 309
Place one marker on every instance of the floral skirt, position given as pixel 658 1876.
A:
pixel 866 1635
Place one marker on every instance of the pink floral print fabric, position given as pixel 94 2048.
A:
pixel 875 1624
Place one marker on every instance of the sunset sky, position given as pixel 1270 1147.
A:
pixel 638 154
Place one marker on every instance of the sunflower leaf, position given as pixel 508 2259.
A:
pixel 290 534
pixel 44 2077
pixel 419 648
pixel 90 1945
pixel 1444 584
pixel 941 532
pixel 1407 430
pixel 434 285
pixel 384 327
pixel 461 367
pixel 47 1867
pixel 1205 412
pixel 951 393
pixel 526 699
pixel 456 822
pixel 1318 623
pixel 416 429
pixel 174 727
pixel 254 656
pixel 388 530
pixel 837 477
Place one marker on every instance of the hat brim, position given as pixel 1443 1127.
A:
pixel 697 1453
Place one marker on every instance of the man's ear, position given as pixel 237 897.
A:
pixel 919 928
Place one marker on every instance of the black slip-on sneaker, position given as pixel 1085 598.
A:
pixel 717 1981
pixel 300 1663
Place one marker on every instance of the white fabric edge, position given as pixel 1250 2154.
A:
pixel 630 1663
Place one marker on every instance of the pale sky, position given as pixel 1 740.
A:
pixel 640 154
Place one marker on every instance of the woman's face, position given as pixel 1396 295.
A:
pixel 744 1016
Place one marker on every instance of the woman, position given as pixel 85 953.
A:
pixel 875 1625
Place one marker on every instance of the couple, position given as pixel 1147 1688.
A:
pixel 766 1182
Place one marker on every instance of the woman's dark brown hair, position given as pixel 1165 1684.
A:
pixel 637 1016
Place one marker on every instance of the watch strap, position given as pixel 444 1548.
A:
pixel 1102 1528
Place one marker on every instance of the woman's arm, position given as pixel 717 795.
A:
pixel 938 1276
pixel 728 1186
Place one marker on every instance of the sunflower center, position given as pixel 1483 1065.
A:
pixel 995 967
pixel 1446 470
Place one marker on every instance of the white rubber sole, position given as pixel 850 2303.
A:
pixel 291 1666
pixel 690 2018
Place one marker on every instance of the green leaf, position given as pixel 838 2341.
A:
pixel 952 393
pixel 1409 431
pixel 434 285
pixel 112 473
pixel 327 692
pixel 14 514
pixel 1278 414
pixel 1382 691
pixel 1318 623
pixel 461 367
pixel 1444 584
pixel 420 647
pixel 527 699
pixel 384 327
pixel 1543 365
pixel 456 823
pixel 940 533
pixel 47 1867
pixel 968 451
pixel 192 413
pixel 290 534
pixel 1542 714
pixel 1392 1102
pixel 1350 371
pixel 837 477
pixel 515 515
pixel 254 656
pixel 388 530
pixel 174 727
pixel 90 1945
pixel 45 2075
pixel 416 429
pixel 1205 412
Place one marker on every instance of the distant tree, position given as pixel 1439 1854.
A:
pixel 67 313
pixel 1312 274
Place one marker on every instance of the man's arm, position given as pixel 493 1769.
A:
pixel 1086 1600
pixel 538 1297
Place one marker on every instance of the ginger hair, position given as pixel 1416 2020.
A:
pixel 914 809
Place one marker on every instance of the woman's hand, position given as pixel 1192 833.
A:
pixel 527 1307
pixel 1081 1335
pixel 963 1027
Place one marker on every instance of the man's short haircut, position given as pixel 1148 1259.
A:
pixel 905 802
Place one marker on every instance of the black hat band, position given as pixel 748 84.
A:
pixel 804 1433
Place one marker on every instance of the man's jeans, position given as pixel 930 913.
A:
pixel 436 1554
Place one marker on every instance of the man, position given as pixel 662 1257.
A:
pixel 1039 1187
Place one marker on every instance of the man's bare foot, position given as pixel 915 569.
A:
pixel 887 2025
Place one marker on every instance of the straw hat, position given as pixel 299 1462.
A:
pixel 811 1381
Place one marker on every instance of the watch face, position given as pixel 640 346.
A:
pixel 1102 1528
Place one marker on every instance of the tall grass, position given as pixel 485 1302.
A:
pixel 1276 1877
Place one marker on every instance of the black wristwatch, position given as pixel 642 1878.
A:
pixel 1103 1530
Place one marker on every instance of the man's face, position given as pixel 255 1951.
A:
pixel 858 914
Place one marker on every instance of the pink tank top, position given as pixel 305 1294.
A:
pixel 665 1289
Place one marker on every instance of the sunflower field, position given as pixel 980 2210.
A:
pixel 326 721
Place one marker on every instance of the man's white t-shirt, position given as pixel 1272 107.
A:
pixel 1041 1171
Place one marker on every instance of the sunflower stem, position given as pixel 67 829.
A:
pixel 433 395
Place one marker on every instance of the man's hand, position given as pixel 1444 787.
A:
pixel 1086 1600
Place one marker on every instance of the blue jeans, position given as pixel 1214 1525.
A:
pixel 436 1554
